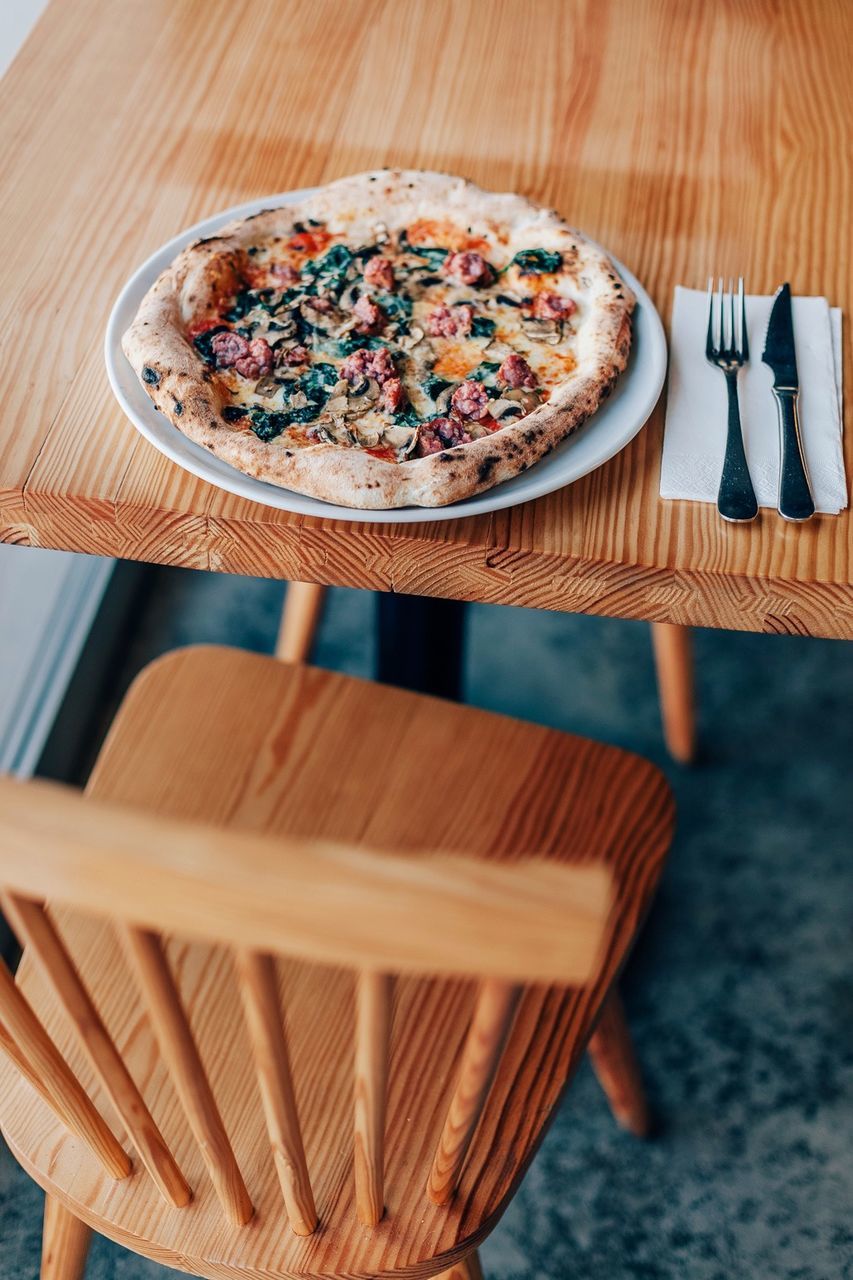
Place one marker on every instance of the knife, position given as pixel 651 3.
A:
pixel 795 496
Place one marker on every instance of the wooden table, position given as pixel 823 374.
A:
pixel 686 137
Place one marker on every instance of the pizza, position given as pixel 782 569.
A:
pixel 400 338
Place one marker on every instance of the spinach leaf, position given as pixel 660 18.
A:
pixel 533 262
pixel 234 412
pixel 430 253
pixel 433 386
pixel 267 424
pixel 396 306
pixel 485 372
pixel 407 416
pixel 366 251
pixel 318 382
pixel 345 346
pixel 330 272
pixel 482 328
pixel 202 342
pixel 268 300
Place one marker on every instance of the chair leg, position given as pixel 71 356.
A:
pixel 65 1243
pixel 468 1269
pixel 674 661
pixel 300 617
pixel 611 1052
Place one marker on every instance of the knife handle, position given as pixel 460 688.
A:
pixel 795 496
pixel 736 496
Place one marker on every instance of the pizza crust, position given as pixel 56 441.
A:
pixel 187 391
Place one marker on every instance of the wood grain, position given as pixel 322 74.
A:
pixel 372 1042
pixel 673 650
pixel 159 123
pixel 468 1269
pixel 287 894
pixel 145 952
pixel 65 1243
pixel 300 617
pixel 259 989
pixel 493 1014
pixel 615 1064
pixel 26 1043
pixel 36 931
pixel 245 743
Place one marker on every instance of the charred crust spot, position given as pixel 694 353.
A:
pixel 529 436
pixel 486 467
pixel 151 376
pixel 445 456
pixel 233 413
pixel 213 424
pixel 178 408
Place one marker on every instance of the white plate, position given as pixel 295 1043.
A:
pixel 609 430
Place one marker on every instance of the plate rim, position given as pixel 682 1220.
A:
pixel 279 498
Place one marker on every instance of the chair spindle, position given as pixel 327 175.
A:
pixel 259 990
pixel 36 931
pixel 490 1024
pixel 373 1030
pixel 35 1055
pixel 144 950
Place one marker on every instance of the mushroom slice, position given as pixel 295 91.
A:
pixel 350 295
pixel 298 400
pixel 525 396
pixel 442 400
pixel 346 326
pixel 336 430
pixel 367 436
pixel 287 325
pixel 337 406
pixel 550 331
pixel 407 341
pixel 403 439
pixel 503 408
pixel 325 321
pixel 497 350
pixel 366 400
pixel 267 386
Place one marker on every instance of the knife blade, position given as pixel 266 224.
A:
pixel 795 496
pixel 779 350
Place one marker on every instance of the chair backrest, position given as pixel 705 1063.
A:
pixel 379 913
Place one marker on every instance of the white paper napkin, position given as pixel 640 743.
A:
pixel 695 432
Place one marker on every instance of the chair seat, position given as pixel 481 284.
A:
pixel 246 741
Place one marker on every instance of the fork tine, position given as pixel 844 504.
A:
pixel 732 334
pixel 709 340
pixel 744 340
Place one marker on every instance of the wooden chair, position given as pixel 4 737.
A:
pixel 673 652
pixel 307 969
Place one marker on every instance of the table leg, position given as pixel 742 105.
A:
pixel 420 643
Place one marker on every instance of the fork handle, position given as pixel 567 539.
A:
pixel 736 497
pixel 795 496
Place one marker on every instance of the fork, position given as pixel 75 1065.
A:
pixel 727 347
